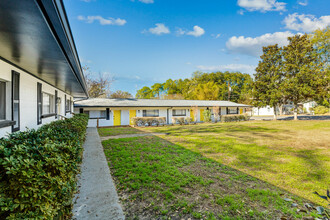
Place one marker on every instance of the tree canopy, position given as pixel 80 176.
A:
pixel 208 86
pixel 120 95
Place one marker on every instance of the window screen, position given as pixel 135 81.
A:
pixel 150 113
pixel 15 101
pixel 47 104
pixel 103 114
pixel 67 106
pixel 39 103
pixel 179 112
pixel 2 100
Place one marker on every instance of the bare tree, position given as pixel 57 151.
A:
pixel 97 87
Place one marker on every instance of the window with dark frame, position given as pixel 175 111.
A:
pixel 103 114
pixel 15 100
pixel 150 113
pixel 39 103
pixel 179 112
pixel 232 111
pixel 2 100
pixel 56 104
pixel 48 104
pixel 67 106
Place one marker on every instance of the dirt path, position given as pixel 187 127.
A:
pixel 131 135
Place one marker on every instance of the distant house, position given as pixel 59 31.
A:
pixel 262 111
pixel 40 72
pixel 115 112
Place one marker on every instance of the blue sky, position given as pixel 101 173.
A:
pixel 140 42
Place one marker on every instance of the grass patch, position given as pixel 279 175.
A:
pixel 113 131
pixel 293 155
pixel 158 179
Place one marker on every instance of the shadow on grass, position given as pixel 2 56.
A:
pixel 157 178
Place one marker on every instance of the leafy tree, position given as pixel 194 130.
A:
pixel 267 87
pixel 157 89
pixel 207 91
pixel 301 69
pixel 144 93
pixel 321 42
pixel 121 95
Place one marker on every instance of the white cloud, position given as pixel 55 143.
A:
pixel 306 23
pixel 253 46
pixel 197 32
pixel 180 31
pixel 147 1
pixel 303 3
pixel 102 21
pixel 261 5
pixel 229 67
pixel 158 30
pixel 216 36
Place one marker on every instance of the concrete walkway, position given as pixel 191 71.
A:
pixel 131 135
pixel 97 197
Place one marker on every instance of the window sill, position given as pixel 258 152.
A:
pixel 6 123
pixel 98 118
pixel 48 115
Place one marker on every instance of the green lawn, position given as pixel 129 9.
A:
pixel 222 171
pixel 293 155
pixel 113 131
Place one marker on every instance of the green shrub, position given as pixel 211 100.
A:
pixel 232 118
pixel 178 120
pixel 188 120
pixel 207 115
pixel 148 121
pixel 319 110
pixel 38 169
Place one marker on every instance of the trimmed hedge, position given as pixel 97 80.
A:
pixel 181 120
pixel 148 121
pixel 38 169
pixel 231 118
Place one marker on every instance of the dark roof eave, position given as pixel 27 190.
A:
pixel 48 9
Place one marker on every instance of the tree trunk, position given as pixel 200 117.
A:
pixel 295 112
pixel 281 109
pixel 275 115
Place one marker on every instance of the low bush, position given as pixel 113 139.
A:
pixel 178 120
pixel 207 115
pixel 38 169
pixel 148 121
pixel 232 118
pixel 320 110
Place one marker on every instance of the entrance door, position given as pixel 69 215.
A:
pixel 202 115
pixel 192 115
pixel 132 114
pixel 116 117
pixel 241 111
